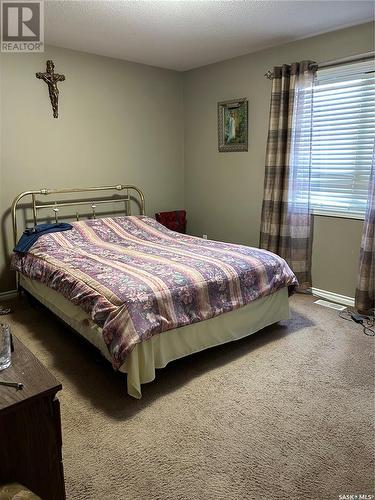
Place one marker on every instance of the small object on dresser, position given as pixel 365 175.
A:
pixel 5 346
pixel 16 385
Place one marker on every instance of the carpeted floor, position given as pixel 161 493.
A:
pixel 284 414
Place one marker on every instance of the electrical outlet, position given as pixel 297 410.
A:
pixel 204 236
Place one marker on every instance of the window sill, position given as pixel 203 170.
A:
pixel 339 215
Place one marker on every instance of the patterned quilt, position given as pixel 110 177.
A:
pixel 136 279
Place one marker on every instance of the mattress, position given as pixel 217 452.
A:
pixel 136 279
pixel 141 364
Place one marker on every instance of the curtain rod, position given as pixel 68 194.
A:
pixel 336 62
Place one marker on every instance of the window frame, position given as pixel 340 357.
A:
pixel 331 212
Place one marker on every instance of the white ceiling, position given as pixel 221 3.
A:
pixel 182 35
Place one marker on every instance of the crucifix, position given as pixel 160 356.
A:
pixel 51 78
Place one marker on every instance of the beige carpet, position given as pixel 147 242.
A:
pixel 284 414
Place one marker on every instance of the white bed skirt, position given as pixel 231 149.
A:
pixel 157 352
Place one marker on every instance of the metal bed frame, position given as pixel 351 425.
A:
pixel 93 202
pixel 36 205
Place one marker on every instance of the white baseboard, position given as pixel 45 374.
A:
pixel 10 294
pixel 333 297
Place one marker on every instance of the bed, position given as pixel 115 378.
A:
pixel 145 295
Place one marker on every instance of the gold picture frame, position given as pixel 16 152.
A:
pixel 232 117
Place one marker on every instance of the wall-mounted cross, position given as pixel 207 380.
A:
pixel 51 78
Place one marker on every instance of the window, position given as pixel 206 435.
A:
pixel 343 133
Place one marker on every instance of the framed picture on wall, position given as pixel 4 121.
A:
pixel 232 122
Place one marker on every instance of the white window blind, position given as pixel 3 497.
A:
pixel 343 134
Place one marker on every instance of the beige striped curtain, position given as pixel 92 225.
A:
pixel 365 292
pixel 286 223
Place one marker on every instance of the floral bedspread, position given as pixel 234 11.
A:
pixel 136 279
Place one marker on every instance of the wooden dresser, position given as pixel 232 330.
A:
pixel 30 427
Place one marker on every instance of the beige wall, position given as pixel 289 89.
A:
pixel 119 123
pixel 123 122
pixel 223 191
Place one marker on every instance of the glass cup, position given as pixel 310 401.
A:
pixel 5 358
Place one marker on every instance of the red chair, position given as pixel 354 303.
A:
pixel 175 220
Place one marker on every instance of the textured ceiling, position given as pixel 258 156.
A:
pixel 182 35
